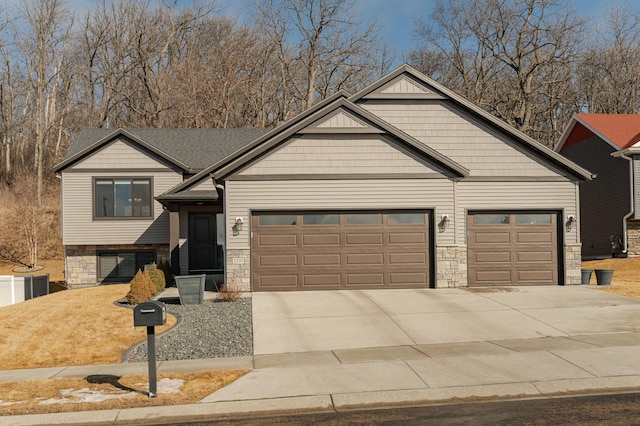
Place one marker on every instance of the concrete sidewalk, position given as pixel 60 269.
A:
pixel 572 341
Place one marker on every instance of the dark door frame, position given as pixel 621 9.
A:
pixel 211 246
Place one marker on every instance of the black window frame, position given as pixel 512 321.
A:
pixel 121 178
pixel 138 263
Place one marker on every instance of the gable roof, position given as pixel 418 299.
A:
pixel 191 150
pixel 621 131
pixel 428 88
pixel 307 123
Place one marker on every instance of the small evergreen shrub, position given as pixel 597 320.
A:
pixel 140 288
pixel 157 277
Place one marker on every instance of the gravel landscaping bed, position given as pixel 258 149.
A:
pixel 214 329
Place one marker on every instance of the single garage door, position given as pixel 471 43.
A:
pixel 340 250
pixel 512 248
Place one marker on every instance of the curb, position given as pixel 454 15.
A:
pixel 212 411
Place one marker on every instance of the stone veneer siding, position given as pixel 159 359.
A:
pixel 81 269
pixel 238 268
pixel 633 237
pixel 451 266
pixel 572 264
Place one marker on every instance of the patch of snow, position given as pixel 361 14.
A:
pixel 86 395
pixel 91 395
pixel 166 385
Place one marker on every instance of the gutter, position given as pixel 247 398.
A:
pixel 626 217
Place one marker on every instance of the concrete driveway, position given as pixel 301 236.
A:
pixel 286 322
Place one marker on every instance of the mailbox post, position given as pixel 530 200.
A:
pixel 149 314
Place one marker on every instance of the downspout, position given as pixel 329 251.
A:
pixel 632 199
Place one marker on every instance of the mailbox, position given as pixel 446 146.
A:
pixel 149 314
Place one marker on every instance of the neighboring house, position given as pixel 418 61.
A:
pixel 403 185
pixel 609 146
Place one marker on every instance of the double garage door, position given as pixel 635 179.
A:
pixel 341 250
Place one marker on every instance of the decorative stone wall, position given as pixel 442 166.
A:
pixel 572 264
pixel 451 266
pixel 238 268
pixel 81 269
pixel 633 237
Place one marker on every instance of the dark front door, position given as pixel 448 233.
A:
pixel 204 254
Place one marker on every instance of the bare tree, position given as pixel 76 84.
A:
pixel 322 47
pixel 508 57
pixel 43 49
pixel 27 228
pixel 608 74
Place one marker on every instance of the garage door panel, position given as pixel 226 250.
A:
pixel 321 259
pixel 536 276
pixel 493 257
pixel 545 257
pixel 407 258
pixel 368 239
pixel 488 237
pixel 365 279
pixel 278 260
pixel 322 280
pixel 373 259
pixel 352 252
pixel 402 279
pixel 534 237
pixel 332 240
pixel 278 240
pixel 501 276
pixel 277 280
pixel 408 238
pixel 528 256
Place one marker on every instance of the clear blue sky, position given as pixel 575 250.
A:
pixel 397 17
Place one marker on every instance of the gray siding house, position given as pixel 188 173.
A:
pixel 609 146
pixel 402 185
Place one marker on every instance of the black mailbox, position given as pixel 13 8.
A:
pixel 149 313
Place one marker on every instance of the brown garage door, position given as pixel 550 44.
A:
pixel 512 248
pixel 338 250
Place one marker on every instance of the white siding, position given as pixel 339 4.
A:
pixel 460 139
pixel 338 154
pixel 561 196
pixel 244 196
pixel 79 227
pixel 118 155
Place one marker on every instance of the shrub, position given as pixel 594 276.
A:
pixel 229 293
pixel 140 288
pixel 157 277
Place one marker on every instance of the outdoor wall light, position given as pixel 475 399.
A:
pixel 571 219
pixel 444 222
pixel 237 227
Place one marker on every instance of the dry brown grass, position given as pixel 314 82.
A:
pixel 26 397
pixel 83 327
pixel 53 267
pixel 626 275
pixel 72 327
